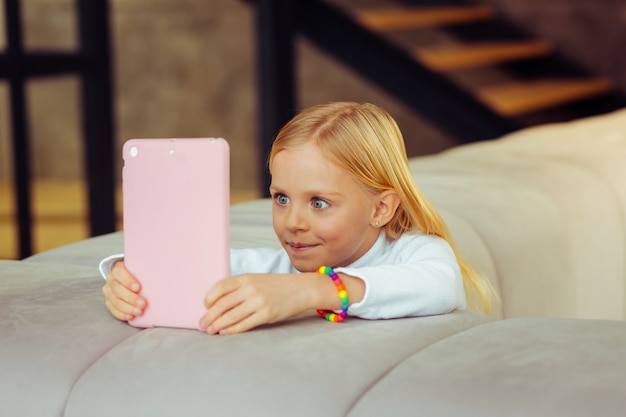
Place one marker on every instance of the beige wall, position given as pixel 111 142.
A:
pixel 182 68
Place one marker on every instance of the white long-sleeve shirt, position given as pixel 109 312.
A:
pixel 415 275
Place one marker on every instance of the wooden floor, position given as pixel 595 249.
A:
pixel 59 212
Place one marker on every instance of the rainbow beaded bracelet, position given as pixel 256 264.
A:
pixel 343 295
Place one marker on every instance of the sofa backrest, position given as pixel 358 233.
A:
pixel 543 212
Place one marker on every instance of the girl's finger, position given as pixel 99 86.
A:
pixel 229 319
pixel 224 305
pixel 117 313
pixel 248 323
pixel 127 296
pixel 220 289
pixel 121 274
pixel 118 305
pixel 233 318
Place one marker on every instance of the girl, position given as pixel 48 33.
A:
pixel 344 198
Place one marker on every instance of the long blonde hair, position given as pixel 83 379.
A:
pixel 365 141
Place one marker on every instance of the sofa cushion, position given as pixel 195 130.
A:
pixel 517 367
pixel 53 326
pixel 306 367
pixel 61 353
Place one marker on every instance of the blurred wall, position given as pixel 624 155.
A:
pixel 186 68
pixel 182 68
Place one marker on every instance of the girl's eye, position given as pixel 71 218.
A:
pixel 319 203
pixel 281 199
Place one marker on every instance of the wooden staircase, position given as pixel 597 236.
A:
pixel 509 95
pixel 385 17
pixel 456 63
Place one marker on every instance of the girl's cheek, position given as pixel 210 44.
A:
pixel 278 223
pixel 329 231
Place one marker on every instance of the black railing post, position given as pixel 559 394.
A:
pixel 275 60
pixel 97 108
pixel 93 64
pixel 19 126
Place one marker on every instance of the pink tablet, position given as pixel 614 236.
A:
pixel 176 224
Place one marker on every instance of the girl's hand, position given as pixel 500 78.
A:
pixel 121 294
pixel 240 303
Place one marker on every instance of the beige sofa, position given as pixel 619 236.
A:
pixel 542 211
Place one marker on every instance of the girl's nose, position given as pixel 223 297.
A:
pixel 296 219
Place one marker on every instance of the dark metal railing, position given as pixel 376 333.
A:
pixel 92 63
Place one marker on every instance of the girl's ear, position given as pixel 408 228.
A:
pixel 386 206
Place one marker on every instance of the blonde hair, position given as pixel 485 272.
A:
pixel 365 141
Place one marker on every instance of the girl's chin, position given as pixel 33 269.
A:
pixel 304 260
pixel 309 265
pixel 306 267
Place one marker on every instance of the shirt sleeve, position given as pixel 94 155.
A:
pixel 241 261
pixel 424 279
pixel 106 265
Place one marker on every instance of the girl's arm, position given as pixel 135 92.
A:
pixel 256 297
pixel 242 302
pixel 416 276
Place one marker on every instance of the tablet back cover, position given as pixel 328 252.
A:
pixel 176 224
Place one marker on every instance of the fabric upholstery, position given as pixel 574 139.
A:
pixel 53 326
pixel 549 203
pixel 517 367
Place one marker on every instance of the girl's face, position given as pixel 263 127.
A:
pixel 321 215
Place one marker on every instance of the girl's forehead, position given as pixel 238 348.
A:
pixel 307 170
pixel 301 155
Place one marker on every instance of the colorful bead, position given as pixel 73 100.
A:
pixel 343 295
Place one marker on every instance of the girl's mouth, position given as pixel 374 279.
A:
pixel 299 246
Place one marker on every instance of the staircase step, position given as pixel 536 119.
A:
pixel 518 98
pixel 456 57
pixel 416 17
